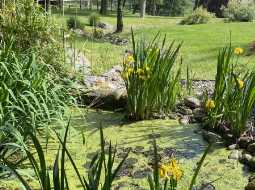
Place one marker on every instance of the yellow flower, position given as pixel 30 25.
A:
pixel 163 171
pixel 147 69
pixel 171 170
pixel 129 59
pixel 240 84
pixel 238 51
pixel 130 70
pixel 210 104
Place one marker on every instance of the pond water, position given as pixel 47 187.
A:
pixel 171 137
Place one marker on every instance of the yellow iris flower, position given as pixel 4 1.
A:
pixel 129 59
pixel 210 104
pixel 238 51
pixel 171 170
pixel 240 83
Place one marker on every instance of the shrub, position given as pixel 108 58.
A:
pixel 94 19
pixel 96 33
pixel 152 78
pixel 234 94
pixel 238 11
pixel 199 16
pixel 25 25
pixel 74 23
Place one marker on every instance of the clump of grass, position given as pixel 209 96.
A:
pixel 152 78
pixel 198 16
pixel 94 19
pixel 234 93
pixel 74 23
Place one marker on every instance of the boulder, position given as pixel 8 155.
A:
pixel 211 137
pixel 243 142
pixel 250 186
pixel 251 148
pixel 251 164
pixel 185 120
pixel 234 155
pixel 245 158
pixel 192 102
pixel 232 147
pixel 208 186
pixel 184 110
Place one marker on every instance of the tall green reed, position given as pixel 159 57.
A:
pixel 101 173
pixel 234 94
pixel 152 77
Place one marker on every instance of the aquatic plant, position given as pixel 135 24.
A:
pixel 166 176
pixel 152 77
pixel 234 93
pixel 94 180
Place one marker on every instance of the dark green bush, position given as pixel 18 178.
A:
pixel 237 11
pixel 25 25
pixel 74 23
pixel 94 19
pixel 199 16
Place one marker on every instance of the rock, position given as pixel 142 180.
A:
pixel 251 148
pixel 184 110
pixel 208 186
pixel 243 142
pixel 185 120
pixel 158 116
pixel 245 158
pixel 211 137
pixel 232 147
pixel 105 26
pixel 192 102
pixel 119 93
pixel 234 155
pixel 251 164
pixel 172 116
pixel 250 186
pixel 198 114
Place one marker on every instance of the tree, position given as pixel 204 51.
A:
pixel 212 5
pixel 119 17
pixel 47 5
pixel 142 8
pixel 104 6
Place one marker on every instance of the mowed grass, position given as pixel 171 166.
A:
pixel 201 43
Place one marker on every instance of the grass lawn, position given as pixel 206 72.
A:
pixel 200 42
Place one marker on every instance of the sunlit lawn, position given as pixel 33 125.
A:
pixel 200 42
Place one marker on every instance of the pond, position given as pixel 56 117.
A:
pixel 183 141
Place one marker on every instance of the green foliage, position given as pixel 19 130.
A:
pixel 199 16
pixel 177 8
pixel 74 23
pixel 94 19
pixel 100 164
pixel 29 29
pixel 234 94
pixel 158 182
pixel 152 78
pixel 29 97
pixel 238 11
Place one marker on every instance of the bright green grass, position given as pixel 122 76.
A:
pixel 227 173
pixel 200 42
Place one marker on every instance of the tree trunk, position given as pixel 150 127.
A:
pixel 119 17
pixel 142 8
pixel 154 7
pixel 80 4
pixel 103 8
pixel 47 5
